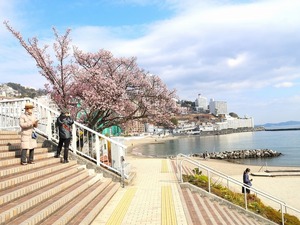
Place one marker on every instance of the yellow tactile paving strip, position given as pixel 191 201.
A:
pixel 118 215
pixel 146 205
pixel 164 166
pixel 168 215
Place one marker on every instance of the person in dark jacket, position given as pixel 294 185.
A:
pixel 64 123
pixel 246 181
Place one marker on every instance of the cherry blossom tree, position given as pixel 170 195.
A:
pixel 59 76
pixel 115 90
pixel 102 90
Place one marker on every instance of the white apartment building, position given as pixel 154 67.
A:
pixel 201 103
pixel 217 107
pixel 235 123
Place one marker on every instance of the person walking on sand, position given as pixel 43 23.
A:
pixel 246 181
pixel 205 155
pixel 64 123
pixel 27 123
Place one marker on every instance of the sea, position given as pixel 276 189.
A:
pixel 285 142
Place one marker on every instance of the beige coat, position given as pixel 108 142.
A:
pixel 26 124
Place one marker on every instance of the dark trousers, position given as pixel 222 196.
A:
pixel 66 143
pixel 247 190
pixel 24 155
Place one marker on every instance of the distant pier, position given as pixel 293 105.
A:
pixel 282 129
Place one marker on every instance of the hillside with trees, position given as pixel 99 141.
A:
pixel 27 92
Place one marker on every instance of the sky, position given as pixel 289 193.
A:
pixel 244 52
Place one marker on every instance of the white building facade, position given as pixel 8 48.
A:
pixel 201 103
pixel 235 123
pixel 217 107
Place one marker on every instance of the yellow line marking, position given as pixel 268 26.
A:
pixel 119 213
pixel 168 215
pixel 164 166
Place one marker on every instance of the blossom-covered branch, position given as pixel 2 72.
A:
pixel 102 90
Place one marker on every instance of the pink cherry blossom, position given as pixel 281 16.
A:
pixel 100 90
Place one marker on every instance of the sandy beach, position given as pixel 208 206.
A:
pixel 285 188
pixel 132 142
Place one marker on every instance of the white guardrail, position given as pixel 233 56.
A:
pixel 211 172
pixel 87 142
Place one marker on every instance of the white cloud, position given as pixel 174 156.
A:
pixel 237 61
pixel 284 85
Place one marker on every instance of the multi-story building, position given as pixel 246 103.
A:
pixel 134 127
pixel 201 104
pixel 217 107
pixel 235 123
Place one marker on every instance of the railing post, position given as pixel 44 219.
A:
pixel 180 175
pixel 245 195
pixel 122 171
pixel 73 144
pixel 177 168
pixel 282 214
pixel 177 164
pixel 49 123
pixel 97 149
pixel 209 188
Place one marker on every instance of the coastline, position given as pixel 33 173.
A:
pixel 226 166
pixel 284 188
pixel 133 143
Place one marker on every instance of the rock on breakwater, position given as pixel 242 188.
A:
pixel 241 154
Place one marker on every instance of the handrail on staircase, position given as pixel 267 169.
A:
pixel 211 171
pixel 92 145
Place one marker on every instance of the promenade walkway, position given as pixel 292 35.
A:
pixel 155 198
pixel 152 199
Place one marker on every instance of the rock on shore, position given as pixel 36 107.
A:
pixel 241 154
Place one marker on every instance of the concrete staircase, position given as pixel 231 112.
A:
pixel 203 208
pixel 48 192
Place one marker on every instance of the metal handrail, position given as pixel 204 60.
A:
pixel 57 114
pixel 229 179
pixel 47 129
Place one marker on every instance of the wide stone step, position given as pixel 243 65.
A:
pixel 39 156
pixel 185 169
pixel 20 178
pixel 17 153
pixel 89 213
pixel 8 132
pixel 48 192
pixel 10 142
pixel 203 210
pixel 15 146
pixel 10 147
pixel 79 204
pixel 14 169
pixel 35 184
pixel 21 205
pixel 10 136
pixel 60 199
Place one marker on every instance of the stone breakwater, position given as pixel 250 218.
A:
pixel 241 154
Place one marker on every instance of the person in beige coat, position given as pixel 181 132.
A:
pixel 27 123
